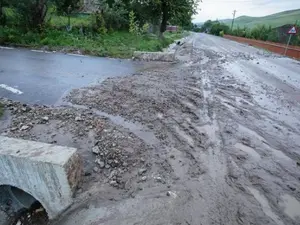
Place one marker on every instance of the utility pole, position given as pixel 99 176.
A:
pixel 234 12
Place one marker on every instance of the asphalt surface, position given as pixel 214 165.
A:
pixel 43 78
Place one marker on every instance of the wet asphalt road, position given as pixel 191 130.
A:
pixel 45 77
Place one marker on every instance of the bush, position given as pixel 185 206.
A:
pixel 221 34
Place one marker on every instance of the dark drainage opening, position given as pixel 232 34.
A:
pixel 17 207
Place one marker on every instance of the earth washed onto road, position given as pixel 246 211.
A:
pixel 212 139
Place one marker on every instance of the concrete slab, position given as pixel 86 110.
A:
pixel 49 173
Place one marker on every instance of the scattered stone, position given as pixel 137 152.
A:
pixel 96 169
pixel 159 179
pixel 13 129
pixel 96 150
pixel 24 127
pixel 257 63
pixel 100 163
pixel 172 156
pixel 292 188
pixel 113 183
pixel 142 159
pixel 107 166
pixel 78 118
pixel 144 178
pixel 45 118
pixel 87 174
pixel 142 171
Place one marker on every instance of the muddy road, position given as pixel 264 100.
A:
pixel 212 139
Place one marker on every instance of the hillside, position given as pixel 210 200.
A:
pixel 275 20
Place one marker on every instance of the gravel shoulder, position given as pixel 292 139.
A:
pixel 212 139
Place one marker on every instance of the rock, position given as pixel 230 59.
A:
pixel 113 183
pixel 125 164
pixel 78 118
pixel 159 179
pixel 100 163
pixel 24 127
pixel 169 193
pixel 96 150
pixel 13 129
pixel 142 159
pixel 107 166
pixel 96 169
pixel 45 118
pixel 86 174
pixel 142 171
pixel 172 156
pixel 144 178
pixel 257 63
pixel 292 188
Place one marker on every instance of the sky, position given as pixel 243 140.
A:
pixel 223 9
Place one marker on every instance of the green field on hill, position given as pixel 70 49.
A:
pixel 274 20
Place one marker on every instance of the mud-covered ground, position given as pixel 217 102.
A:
pixel 212 139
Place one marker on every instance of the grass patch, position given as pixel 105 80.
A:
pixel 114 44
pixel 1 110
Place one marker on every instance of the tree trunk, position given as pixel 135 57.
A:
pixel 165 17
pixel 2 19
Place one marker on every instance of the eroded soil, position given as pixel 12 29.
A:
pixel 212 139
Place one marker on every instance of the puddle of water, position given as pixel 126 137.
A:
pixel 136 128
pixel 265 205
pixel 291 206
pixel 248 150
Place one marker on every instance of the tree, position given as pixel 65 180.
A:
pixel 164 11
pixel 31 13
pixel 3 3
pixel 178 10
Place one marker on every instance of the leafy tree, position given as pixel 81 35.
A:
pixel 178 12
pixel 3 3
pixel 31 13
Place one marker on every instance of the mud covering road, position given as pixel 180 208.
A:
pixel 212 139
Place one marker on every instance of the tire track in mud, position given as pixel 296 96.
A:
pixel 214 148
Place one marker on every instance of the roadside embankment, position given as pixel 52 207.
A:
pixel 292 51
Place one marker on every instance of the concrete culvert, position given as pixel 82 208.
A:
pixel 17 207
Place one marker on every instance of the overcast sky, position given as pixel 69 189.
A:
pixel 222 9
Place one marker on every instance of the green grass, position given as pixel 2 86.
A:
pixel 115 44
pixel 1 110
pixel 274 20
pixel 75 21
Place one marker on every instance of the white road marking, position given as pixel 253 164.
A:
pixel 3 47
pixel 77 55
pixel 37 51
pixel 13 90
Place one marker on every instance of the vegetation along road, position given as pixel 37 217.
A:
pixel 212 139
